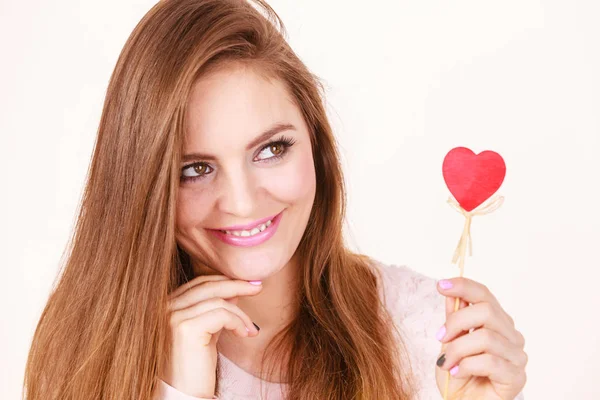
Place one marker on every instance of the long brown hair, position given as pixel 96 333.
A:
pixel 104 331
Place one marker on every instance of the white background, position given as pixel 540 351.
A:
pixel 406 81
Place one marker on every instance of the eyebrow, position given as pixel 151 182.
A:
pixel 272 131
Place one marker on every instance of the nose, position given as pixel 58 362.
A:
pixel 237 193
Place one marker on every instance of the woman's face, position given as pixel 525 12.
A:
pixel 232 176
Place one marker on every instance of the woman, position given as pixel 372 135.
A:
pixel 214 206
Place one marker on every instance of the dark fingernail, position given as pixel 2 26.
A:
pixel 440 361
pixel 257 328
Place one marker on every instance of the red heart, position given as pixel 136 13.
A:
pixel 473 178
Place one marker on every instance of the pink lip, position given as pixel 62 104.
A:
pixel 247 241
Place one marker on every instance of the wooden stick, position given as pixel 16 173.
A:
pixel 461 249
pixel 461 262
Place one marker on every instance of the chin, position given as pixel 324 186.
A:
pixel 256 267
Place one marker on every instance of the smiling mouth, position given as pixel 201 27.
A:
pixel 254 236
pixel 250 232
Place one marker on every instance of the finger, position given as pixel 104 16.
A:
pixel 204 306
pixel 232 300
pixel 495 368
pixel 450 303
pixel 204 326
pixel 480 315
pixel 468 290
pixel 483 341
pixel 206 290
pixel 474 292
pixel 196 281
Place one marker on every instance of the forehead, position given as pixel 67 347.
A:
pixel 228 108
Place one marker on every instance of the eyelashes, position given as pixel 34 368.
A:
pixel 283 141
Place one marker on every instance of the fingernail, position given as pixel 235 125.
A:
pixel 441 333
pixel 454 370
pixel 440 361
pixel 445 284
pixel 257 328
pixel 255 282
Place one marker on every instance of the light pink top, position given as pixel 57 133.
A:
pixel 418 310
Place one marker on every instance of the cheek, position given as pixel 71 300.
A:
pixel 295 182
pixel 192 207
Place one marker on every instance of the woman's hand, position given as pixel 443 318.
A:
pixel 488 363
pixel 199 310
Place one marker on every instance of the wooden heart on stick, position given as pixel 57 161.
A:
pixel 473 178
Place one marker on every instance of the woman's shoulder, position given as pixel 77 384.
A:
pixel 418 310
pixel 405 290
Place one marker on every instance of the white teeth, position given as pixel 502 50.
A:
pixel 246 233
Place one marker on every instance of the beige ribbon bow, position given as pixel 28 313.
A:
pixel 465 239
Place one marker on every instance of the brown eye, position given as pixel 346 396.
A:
pixel 200 169
pixel 276 149
pixel 195 171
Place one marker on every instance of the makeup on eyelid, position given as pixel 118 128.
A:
pixel 284 141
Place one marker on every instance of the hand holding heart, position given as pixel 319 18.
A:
pixel 481 347
pixel 488 363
